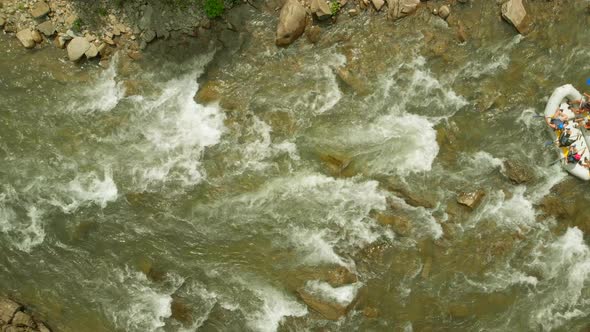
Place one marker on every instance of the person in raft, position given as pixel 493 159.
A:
pixel 573 155
pixel 586 163
pixel 558 121
pixel 584 107
pixel 567 137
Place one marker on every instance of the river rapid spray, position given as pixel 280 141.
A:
pixel 115 209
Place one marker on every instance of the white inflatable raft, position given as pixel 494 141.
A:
pixel 557 101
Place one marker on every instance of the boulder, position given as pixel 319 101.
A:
pixel 36 36
pixel 378 4
pixel 329 310
pixel 77 47
pixel 401 8
pixel 292 20
pixel 513 11
pixel 357 84
pixel 517 172
pixel 444 11
pixel 471 199
pixel 26 38
pixel 340 276
pixel 91 52
pixel 321 9
pixel 40 9
pixel 23 319
pixel 400 225
pixel 8 309
pixel 46 28
pixel 181 311
pixel 371 312
pixel 60 41
pixel 2 22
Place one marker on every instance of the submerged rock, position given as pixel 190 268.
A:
pixel 357 84
pixel 181 311
pixel 77 47
pixel 517 172
pixel 26 38
pixel 513 11
pixel 400 225
pixel 471 199
pixel 292 21
pixel 329 310
pixel 401 8
pixel 313 34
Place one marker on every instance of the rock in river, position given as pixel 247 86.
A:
pixel 471 199
pixel 26 38
pixel 77 47
pixel 401 8
pixel 513 11
pixel 292 21
pixel 321 9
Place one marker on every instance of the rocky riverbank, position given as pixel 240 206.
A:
pixel 14 317
pixel 96 29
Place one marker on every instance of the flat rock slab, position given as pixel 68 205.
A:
pixel 77 47
pixel 40 9
pixel 26 38
pixel 46 28
pixel 513 11
pixel 8 309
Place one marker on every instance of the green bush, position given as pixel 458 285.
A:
pixel 77 25
pixel 213 8
pixel 334 7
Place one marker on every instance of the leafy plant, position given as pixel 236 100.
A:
pixel 77 25
pixel 102 11
pixel 213 8
pixel 335 7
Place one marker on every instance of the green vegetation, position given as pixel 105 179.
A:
pixel 213 8
pixel 77 25
pixel 335 7
pixel 102 11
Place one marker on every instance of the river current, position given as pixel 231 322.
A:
pixel 150 211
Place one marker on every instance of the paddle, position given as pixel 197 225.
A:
pixel 555 161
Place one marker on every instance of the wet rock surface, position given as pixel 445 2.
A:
pixel 14 318
pixel 292 21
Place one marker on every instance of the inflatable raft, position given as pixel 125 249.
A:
pixel 558 101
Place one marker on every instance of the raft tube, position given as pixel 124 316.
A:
pixel 557 101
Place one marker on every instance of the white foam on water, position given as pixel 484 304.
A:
pixel 498 59
pixel 392 144
pixel 206 301
pixel 325 93
pixel 529 119
pixel 87 189
pixel 274 308
pixel 551 176
pixel 256 154
pixel 565 265
pixel 142 305
pixel 514 212
pixel 103 95
pixel 342 295
pixel 22 233
pixel 323 219
pixel 177 130
pixel 422 218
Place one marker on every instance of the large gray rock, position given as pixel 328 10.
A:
pixel 46 28
pixel 77 47
pixel 40 9
pixel 321 9
pixel 292 21
pixel 401 8
pixel 8 309
pixel 513 11
pixel 26 38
